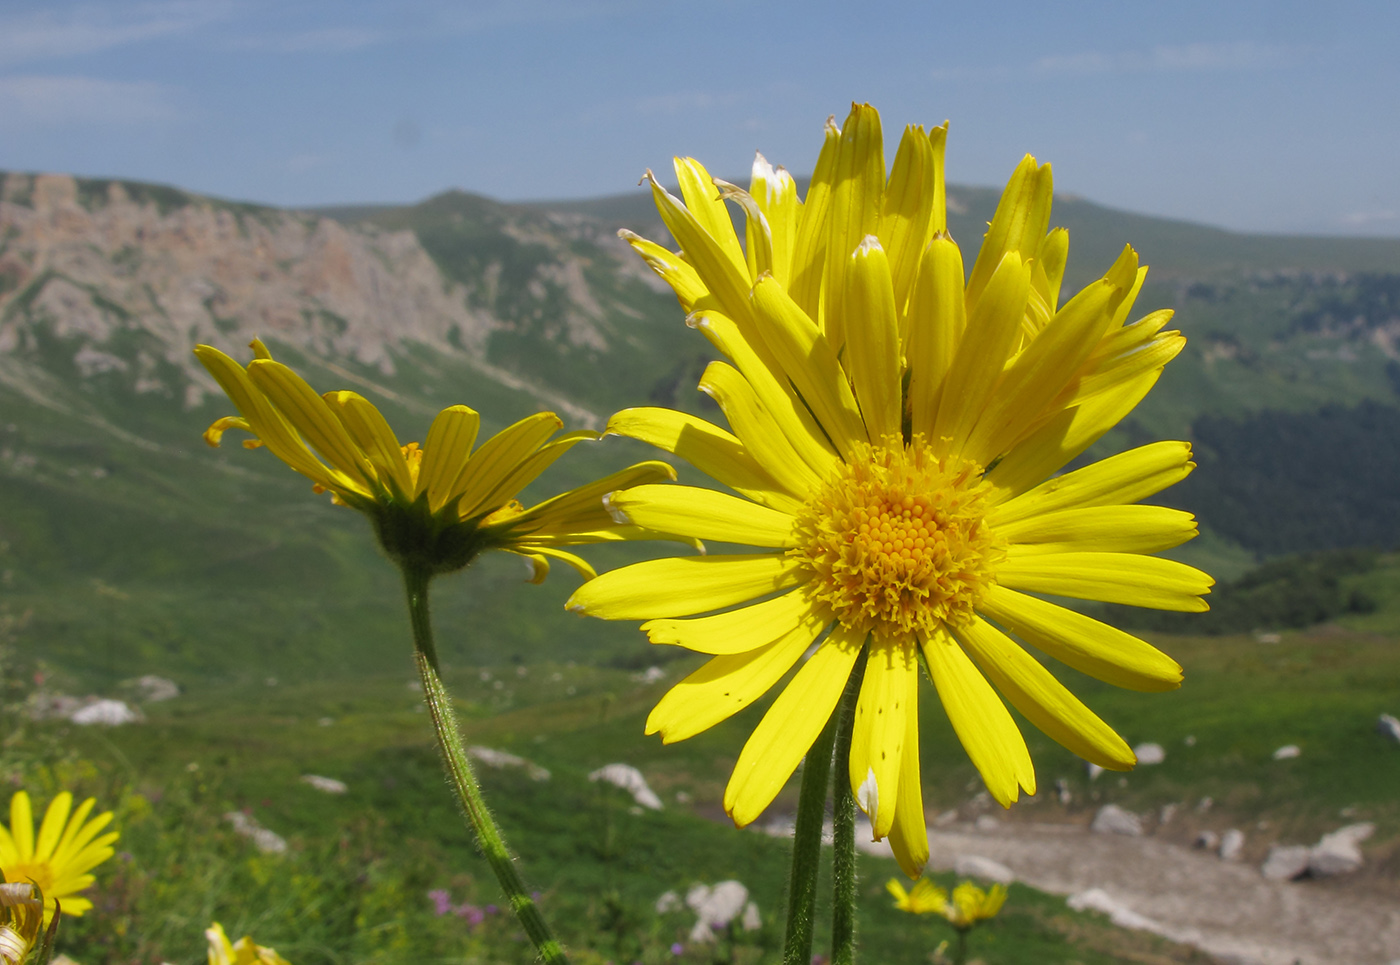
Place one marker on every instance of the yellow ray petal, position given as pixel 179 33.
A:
pixel 499 456
pixel 22 825
pixel 86 836
pixel 539 557
pixel 271 427
pixel 55 819
pixel 739 631
pixel 1047 449
pixel 872 339
pixel 1081 642
pixel 312 417
pixel 938 221
pixel 684 585
pixel 76 823
pixel 1111 577
pixel 1050 262
pixel 909 833
pixel 858 186
pixel 775 193
pixel 726 278
pixel 1043 369
pixel 1110 373
pixel 1103 529
pixel 522 474
pixel 582 508
pixel 809 251
pixel 809 361
pixel 758 252
pixel 937 318
pixel 987 342
pixel 981 721
pixel 371 432
pixel 1020 222
pixel 1124 478
pixel 715 452
pixel 879 731
pixel 704 514
pixel 762 373
pixel 1042 699
pixel 787 731
pixel 673 270
pixel 703 198
pixel 726 685
pixel 758 430
pixel 445 454
pixel 907 210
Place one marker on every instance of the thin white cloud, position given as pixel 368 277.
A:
pixel 88 28
pixel 1366 219
pixel 321 40
pixel 1183 58
pixel 49 101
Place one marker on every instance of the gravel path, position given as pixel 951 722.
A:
pixel 1226 909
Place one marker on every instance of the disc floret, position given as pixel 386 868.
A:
pixel 898 540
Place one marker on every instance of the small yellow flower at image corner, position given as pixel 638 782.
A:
pixel 898 431
pixel 24 940
pixel 436 506
pixel 59 860
pixel 245 951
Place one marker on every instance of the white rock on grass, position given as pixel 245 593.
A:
pixel 1150 753
pixel 715 907
pixel 1231 844
pixel 1287 752
pixel 630 780
pixel 1339 852
pixel 1207 841
pixel 1388 726
pixel 976 866
pixel 326 785
pixel 107 713
pixel 1112 819
pixel 1093 770
pixel 668 902
pixel 1286 862
pixel 502 759
pixel 153 689
pixel 752 920
pixel 268 842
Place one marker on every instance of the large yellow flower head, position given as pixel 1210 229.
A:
pixel 436 506
pixel 67 849
pixel 895 427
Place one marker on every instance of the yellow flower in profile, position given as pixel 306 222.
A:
pixel 971 905
pixel 23 938
pixel 67 849
pixel 896 430
pixel 243 952
pixel 437 506
pixel 923 898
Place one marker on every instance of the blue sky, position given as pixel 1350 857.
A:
pixel 1277 116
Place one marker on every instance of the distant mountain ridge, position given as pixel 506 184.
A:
pixel 115 519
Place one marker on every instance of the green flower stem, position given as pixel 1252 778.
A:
pixel 843 818
pixel 807 849
pixel 459 771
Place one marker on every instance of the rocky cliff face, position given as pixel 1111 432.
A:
pixel 130 284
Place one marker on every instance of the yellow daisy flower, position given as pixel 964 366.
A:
pixel 895 427
pixel 58 862
pixel 243 952
pixel 971 905
pixel 434 507
pixel 923 898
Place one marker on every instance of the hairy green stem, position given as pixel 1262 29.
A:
pixel 843 819
pixel 807 849
pixel 459 771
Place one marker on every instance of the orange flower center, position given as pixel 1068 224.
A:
pixel 898 542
